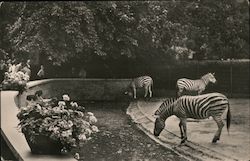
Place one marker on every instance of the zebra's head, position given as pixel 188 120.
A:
pixel 159 126
pixel 161 114
pixel 212 77
pixel 209 77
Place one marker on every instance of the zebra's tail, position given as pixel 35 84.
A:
pixel 228 118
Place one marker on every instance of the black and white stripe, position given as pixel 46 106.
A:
pixel 197 85
pixel 145 82
pixel 196 107
pixel 162 107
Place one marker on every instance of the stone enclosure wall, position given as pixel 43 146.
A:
pixel 79 89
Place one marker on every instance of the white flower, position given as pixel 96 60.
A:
pixel 82 137
pixel 26 77
pixel 39 107
pixel 66 133
pixel 80 113
pixel 70 123
pixel 92 120
pixel 94 128
pixel 73 104
pixel 23 108
pixel 85 123
pixel 56 109
pixel 66 97
pixel 61 103
pixel 88 132
pixel 56 129
pixel 20 82
pixel 90 114
pixel 77 156
pixel 64 150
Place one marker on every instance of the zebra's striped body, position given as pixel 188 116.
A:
pixel 196 107
pixel 198 85
pixel 145 82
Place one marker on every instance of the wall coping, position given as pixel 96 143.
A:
pixel 39 82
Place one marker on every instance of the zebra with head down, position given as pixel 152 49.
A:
pixel 197 85
pixel 196 107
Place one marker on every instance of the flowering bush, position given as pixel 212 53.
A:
pixel 64 121
pixel 15 81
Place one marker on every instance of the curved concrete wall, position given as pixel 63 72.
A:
pixel 79 89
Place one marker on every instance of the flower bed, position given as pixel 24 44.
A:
pixel 62 121
pixel 15 81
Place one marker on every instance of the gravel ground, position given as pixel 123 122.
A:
pixel 119 139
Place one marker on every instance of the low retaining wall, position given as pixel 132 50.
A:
pixel 79 89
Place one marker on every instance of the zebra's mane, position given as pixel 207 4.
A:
pixel 165 105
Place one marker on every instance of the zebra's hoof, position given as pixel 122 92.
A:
pixel 183 140
pixel 215 140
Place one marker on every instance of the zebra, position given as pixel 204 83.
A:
pixel 139 82
pixel 196 107
pixel 198 85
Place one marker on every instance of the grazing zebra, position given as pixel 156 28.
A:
pixel 196 107
pixel 139 82
pixel 198 85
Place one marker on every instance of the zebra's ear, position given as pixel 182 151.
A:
pixel 213 73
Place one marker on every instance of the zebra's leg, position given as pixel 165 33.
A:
pixel 146 88
pixel 220 125
pixel 184 126
pixel 134 90
pixel 181 130
pixel 150 91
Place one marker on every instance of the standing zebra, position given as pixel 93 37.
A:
pixel 139 82
pixel 196 107
pixel 198 85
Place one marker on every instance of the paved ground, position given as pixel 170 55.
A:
pixel 235 146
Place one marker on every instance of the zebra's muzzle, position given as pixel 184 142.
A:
pixel 155 134
pixel 155 116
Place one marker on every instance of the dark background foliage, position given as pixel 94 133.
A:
pixel 113 39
